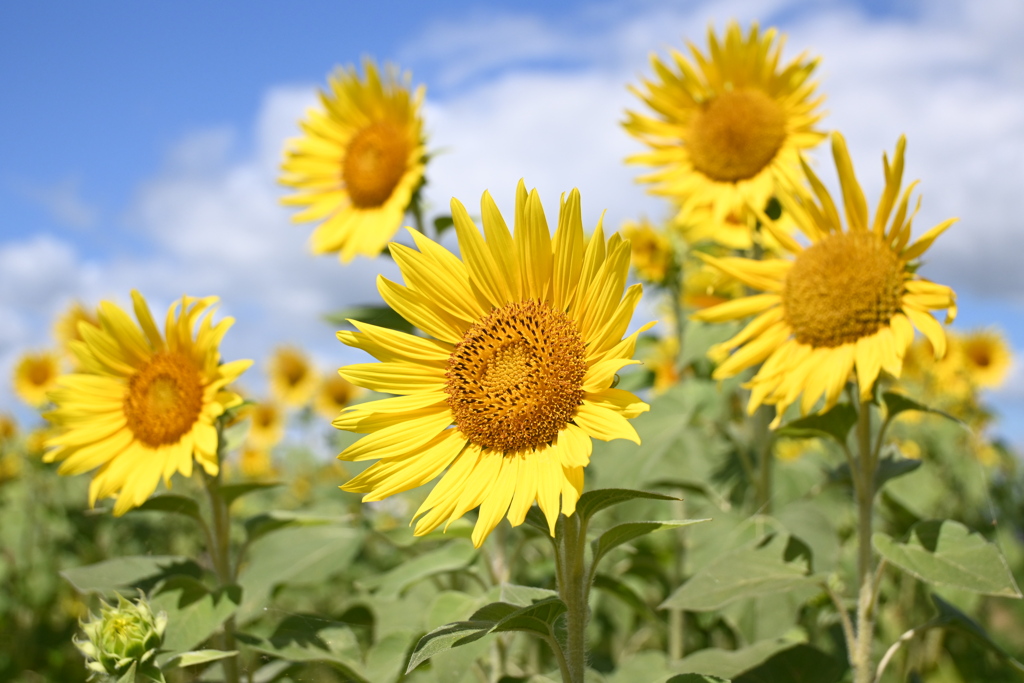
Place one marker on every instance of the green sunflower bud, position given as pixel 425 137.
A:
pixel 122 635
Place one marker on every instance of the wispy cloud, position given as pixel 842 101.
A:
pixel 62 201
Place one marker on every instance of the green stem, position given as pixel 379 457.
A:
pixel 676 617
pixel 763 443
pixel 220 551
pixel 865 493
pixel 573 589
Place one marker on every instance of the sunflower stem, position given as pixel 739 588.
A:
pixel 220 552
pixel 865 494
pixel 573 589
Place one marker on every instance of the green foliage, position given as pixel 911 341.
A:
pixel 382 316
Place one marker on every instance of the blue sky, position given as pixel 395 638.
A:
pixel 141 140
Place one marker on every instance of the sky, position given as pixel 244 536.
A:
pixel 141 142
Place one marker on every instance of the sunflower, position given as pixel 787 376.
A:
pixel 515 379
pixel 143 404
pixel 848 301
pixel 256 463
pixel 8 427
pixel 266 424
pixel 651 250
pixel 986 357
pixel 65 328
pixel 293 379
pixel 359 163
pixel 333 394
pixel 728 124
pixel 34 375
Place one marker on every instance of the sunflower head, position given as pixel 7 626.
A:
pixel 143 404
pixel 266 424
pixel 293 379
pixel 256 463
pixel 725 125
pixel 122 635
pixel 652 254
pixel 359 161
pixel 35 374
pixel 986 358
pixel 8 427
pixel 846 302
pixel 333 394
pixel 514 378
pixel 65 327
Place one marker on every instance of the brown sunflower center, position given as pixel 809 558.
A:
pixel 842 288
pixel 338 391
pixel 40 372
pixel 264 416
pixel 164 399
pixel 979 355
pixel 293 369
pixel 736 134
pixel 375 161
pixel 516 378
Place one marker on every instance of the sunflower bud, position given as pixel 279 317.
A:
pixel 121 635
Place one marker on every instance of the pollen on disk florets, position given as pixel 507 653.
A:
pixel 164 399
pixel 736 134
pixel 375 161
pixel 843 288
pixel 516 378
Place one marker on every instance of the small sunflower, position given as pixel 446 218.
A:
pixel 728 124
pixel 652 250
pixel 256 463
pixel 34 375
pixel 515 379
pixel 849 301
pixel 333 395
pixel 986 358
pixel 8 427
pixel 266 424
pixel 359 163
pixel 143 404
pixel 293 379
pixel 65 328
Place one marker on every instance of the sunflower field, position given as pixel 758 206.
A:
pixel 792 476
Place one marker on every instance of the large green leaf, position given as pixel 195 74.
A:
pixel 194 613
pixel 800 664
pixel 697 678
pixel 450 557
pixel 232 492
pixel 624 533
pixel 624 592
pixel 778 564
pixel 890 466
pixel 898 403
pixel 947 553
pixel 592 502
pixel 382 316
pixel 171 502
pixel 197 657
pixel 730 663
pixel 264 523
pixel 125 573
pixel 310 638
pixel 834 424
pixel 538 618
pixel 951 617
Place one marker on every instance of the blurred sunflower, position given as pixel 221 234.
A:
pixel 359 162
pixel 8 427
pixel 266 424
pixel 256 463
pixel 728 124
pixel 293 379
pixel 850 300
pixel 34 375
pixel 333 394
pixel 651 255
pixel 65 327
pixel 705 286
pixel 526 335
pixel 986 358
pixel 143 404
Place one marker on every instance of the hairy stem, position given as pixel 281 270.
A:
pixel 573 589
pixel 865 494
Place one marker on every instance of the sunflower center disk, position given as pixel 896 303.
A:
pixel 736 134
pixel 40 373
pixel 842 288
pixel 516 378
pixel 164 399
pixel 375 161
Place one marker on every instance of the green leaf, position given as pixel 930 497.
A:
pixel 309 638
pixel 835 424
pixel 730 663
pixel 622 591
pixel 386 659
pixel 535 519
pixel 950 616
pixel 592 502
pixel 890 466
pixel 947 553
pixel 194 613
pixel 125 573
pixel 198 657
pixel 779 563
pixel 450 557
pixel 898 403
pixel 382 316
pixel 442 223
pixel 171 502
pixel 800 664
pixel 697 678
pixel 538 618
pixel 129 675
pixel 624 533
pixel 232 492
pixel 517 595
pixel 264 523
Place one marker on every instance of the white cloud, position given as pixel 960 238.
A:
pixel 63 201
